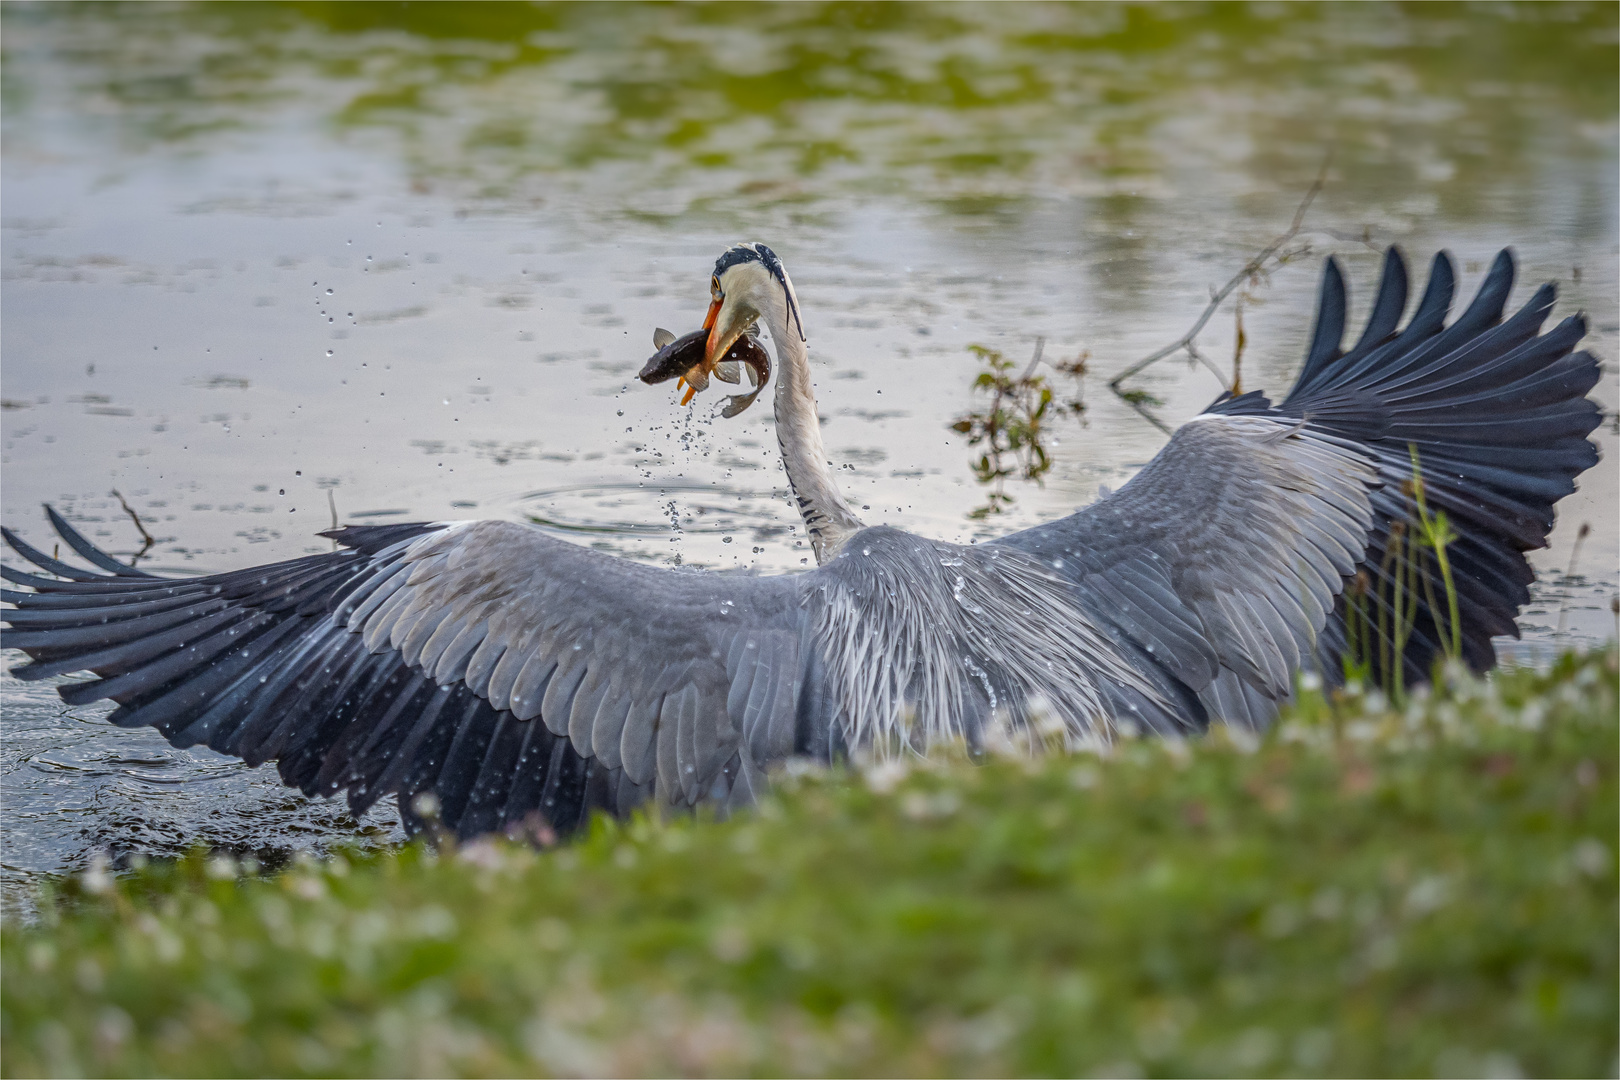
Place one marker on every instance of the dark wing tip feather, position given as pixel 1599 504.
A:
pixel 1499 416
pixel 1328 335
pixel 89 551
pixel 1497 411
pixel 1390 305
pixel 369 539
pixel 1253 403
pixel 1486 309
pixel 45 562
pixel 1430 316
pixel 77 541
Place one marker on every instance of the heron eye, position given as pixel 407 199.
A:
pixel 714 288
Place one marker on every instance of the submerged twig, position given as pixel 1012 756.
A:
pixel 147 537
pixel 1563 605
pixel 1239 340
pixel 1186 342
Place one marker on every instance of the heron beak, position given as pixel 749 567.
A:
pixel 708 354
pixel 725 324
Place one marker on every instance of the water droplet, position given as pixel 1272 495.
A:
pixel 328 352
pixel 328 292
pixel 725 539
pixel 283 491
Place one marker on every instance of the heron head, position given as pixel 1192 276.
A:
pixel 749 284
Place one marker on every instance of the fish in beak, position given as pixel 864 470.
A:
pixel 728 340
pixel 686 358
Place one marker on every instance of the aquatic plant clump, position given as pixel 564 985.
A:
pixel 1427 889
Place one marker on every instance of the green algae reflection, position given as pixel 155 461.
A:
pixel 669 110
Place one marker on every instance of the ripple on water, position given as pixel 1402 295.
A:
pixel 636 519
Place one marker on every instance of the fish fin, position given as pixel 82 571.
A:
pixel 662 337
pixel 726 371
pixel 736 403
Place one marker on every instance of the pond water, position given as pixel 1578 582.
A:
pixel 267 264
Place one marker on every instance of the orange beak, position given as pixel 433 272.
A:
pixel 712 346
pixel 709 350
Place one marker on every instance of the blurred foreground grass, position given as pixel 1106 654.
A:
pixel 1368 891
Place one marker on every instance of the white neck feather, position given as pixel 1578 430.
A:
pixel 827 517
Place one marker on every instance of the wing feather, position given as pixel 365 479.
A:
pixel 558 701
pixel 505 676
pixel 593 690
pixel 1254 521
pixel 638 744
pixel 486 663
pixel 607 729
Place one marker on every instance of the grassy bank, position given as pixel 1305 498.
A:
pixel 1368 891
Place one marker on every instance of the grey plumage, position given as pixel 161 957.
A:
pixel 510 674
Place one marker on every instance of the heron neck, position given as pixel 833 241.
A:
pixel 827 517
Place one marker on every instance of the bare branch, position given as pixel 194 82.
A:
pixel 1192 351
pixel 136 518
pixel 1251 268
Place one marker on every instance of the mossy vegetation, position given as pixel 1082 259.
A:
pixel 1370 891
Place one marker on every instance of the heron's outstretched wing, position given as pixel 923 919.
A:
pixel 1496 416
pixel 502 670
pixel 1222 557
pixel 1225 558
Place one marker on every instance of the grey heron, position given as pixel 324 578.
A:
pixel 509 674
